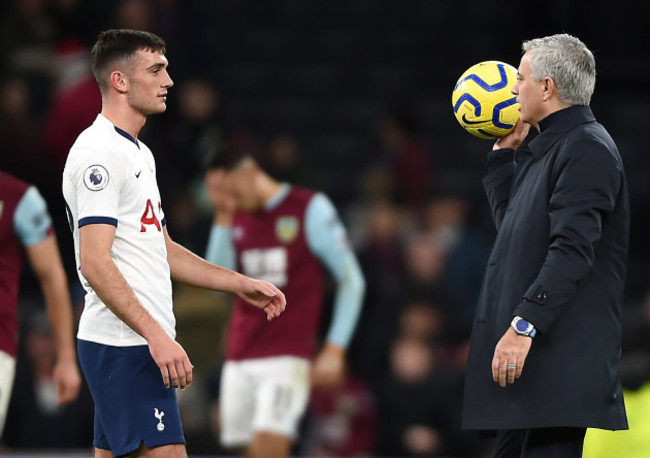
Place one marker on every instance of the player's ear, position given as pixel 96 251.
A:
pixel 119 81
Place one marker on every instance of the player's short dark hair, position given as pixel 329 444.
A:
pixel 116 44
pixel 228 156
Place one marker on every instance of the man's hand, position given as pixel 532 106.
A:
pixel 514 138
pixel 328 369
pixel 263 295
pixel 509 357
pixel 174 364
pixel 220 191
pixel 67 380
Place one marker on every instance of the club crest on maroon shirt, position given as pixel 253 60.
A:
pixel 286 228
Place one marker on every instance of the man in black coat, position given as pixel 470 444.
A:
pixel 545 349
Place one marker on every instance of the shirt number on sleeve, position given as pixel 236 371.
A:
pixel 149 218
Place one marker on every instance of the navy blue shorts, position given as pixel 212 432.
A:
pixel 132 404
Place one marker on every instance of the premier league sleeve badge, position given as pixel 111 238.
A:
pixel 96 177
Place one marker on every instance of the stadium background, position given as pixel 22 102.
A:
pixel 353 98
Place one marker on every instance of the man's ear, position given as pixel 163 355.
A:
pixel 119 81
pixel 549 87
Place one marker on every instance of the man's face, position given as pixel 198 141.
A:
pixel 149 82
pixel 530 93
pixel 241 181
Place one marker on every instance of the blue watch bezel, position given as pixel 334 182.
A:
pixel 525 324
pixel 528 328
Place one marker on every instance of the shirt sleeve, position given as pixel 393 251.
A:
pixel 32 222
pixel 97 180
pixel 221 250
pixel 328 241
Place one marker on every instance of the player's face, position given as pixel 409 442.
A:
pixel 530 93
pixel 242 182
pixel 149 82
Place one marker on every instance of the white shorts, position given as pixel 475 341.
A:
pixel 262 395
pixel 7 373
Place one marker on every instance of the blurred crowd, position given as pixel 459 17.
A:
pixel 422 242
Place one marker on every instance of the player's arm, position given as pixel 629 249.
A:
pixel 45 261
pixel 187 267
pixel 327 239
pixel 33 226
pixel 98 268
pixel 220 249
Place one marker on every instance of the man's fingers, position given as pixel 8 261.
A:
pixel 495 369
pixel 270 292
pixel 520 369
pixel 276 305
pixel 503 375
pixel 266 297
pixel 62 393
pixel 189 371
pixel 272 311
pixel 184 369
pixel 165 375
pixel 173 374
pixel 180 375
pixel 280 301
pixel 511 372
pixel 67 393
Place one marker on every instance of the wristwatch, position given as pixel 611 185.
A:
pixel 523 327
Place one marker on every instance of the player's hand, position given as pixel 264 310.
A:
pixel 328 369
pixel 263 295
pixel 514 138
pixel 220 191
pixel 67 380
pixel 511 349
pixel 423 440
pixel 174 364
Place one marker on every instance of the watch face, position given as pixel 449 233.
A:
pixel 522 325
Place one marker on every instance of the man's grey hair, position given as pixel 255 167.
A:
pixel 566 60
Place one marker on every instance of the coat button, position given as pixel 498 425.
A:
pixel 542 297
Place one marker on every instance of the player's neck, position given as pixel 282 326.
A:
pixel 124 117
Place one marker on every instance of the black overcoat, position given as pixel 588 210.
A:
pixel 562 215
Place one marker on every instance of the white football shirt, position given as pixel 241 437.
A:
pixel 110 178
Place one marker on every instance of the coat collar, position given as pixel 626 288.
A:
pixel 557 125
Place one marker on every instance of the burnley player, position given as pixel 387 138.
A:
pixel 26 228
pixel 285 235
pixel 126 259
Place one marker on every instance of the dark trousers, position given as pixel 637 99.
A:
pixel 539 443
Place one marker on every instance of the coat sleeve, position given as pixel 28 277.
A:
pixel 587 182
pixel 498 182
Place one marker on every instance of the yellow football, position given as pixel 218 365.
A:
pixel 483 102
